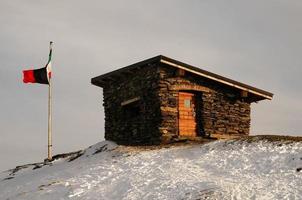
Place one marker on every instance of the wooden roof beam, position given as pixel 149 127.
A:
pixel 216 79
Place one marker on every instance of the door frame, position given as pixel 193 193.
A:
pixel 195 111
pixel 199 131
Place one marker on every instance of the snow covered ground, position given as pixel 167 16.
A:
pixel 217 170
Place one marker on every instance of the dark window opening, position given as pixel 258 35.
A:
pixel 132 110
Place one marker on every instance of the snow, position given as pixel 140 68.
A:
pixel 217 170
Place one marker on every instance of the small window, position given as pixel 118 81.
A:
pixel 187 103
pixel 132 110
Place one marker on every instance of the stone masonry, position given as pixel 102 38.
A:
pixel 153 118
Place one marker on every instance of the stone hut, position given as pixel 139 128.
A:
pixel 161 100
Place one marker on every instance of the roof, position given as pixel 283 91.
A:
pixel 101 80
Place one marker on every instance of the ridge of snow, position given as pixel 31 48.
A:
pixel 217 170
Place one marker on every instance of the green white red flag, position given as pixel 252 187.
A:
pixel 42 75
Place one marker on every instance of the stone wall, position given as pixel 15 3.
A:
pixel 137 122
pixel 153 118
pixel 220 109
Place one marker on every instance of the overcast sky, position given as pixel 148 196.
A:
pixel 256 42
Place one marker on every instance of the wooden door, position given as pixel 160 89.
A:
pixel 187 114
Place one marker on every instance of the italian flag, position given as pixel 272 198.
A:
pixel 42 75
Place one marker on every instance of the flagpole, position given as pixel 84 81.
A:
pixel 49 156
pixel 49 123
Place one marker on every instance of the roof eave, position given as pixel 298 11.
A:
pixel 100 80
pixel 262 93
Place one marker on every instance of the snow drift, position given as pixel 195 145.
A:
pixel 235 169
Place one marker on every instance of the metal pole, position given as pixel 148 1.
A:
pixel 49 123
pixel 49 118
